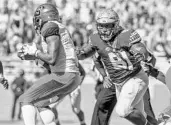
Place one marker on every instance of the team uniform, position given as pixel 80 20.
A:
pixel 130 75
pixel 52 87
pixel 121 52
pixel 106 97
pixel 60 59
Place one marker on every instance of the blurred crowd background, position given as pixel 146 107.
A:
pixel 151 18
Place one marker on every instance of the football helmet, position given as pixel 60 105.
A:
pixel 45 12
pixel 107 23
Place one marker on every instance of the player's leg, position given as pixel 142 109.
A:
pixel 47 116
pixel 130 103
pixel 55 111
pixel 148 108
pixel 29 114
pixel 106 100
pixel 75 98
pixel 47 90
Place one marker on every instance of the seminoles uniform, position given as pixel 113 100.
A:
pixel 64 77
pixel 117 54
pixel 121 59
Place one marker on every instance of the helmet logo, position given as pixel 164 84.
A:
pixel 104 21
pixel 107 49
pixel 37 13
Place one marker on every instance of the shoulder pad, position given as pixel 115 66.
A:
pixel 134 37
pixel 49 29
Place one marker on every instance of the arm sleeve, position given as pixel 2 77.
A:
pixel 137 48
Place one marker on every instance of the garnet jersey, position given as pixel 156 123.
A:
pixel 67 60
pixel 121 58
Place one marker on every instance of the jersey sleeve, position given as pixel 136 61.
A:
pixel 137 48
pixel 134 37
pixel 49 29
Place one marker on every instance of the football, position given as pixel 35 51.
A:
pixel 25 57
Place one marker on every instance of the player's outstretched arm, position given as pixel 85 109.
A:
pixel 86 52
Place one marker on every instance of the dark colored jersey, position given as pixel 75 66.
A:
pixel 121 57
pixel 67 60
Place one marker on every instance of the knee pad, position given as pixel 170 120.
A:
pixel 47 116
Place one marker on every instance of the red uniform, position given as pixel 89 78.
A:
pixel 64 77
pixel 128 52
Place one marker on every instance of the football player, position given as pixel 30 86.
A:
pixel 121 52
pixel 75 96
pixel 60 59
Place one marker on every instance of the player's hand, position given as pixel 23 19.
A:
pixel 29 49
pixel 21 55
pixel 107 83
pixel 4 82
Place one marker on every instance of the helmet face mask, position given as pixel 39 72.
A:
pixel 37 24
pixel 106 30
pixel 44 13
pixel 107 24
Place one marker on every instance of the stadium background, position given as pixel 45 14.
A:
pixel 151 18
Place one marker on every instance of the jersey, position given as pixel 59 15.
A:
pixel 67 60
pixel 126 50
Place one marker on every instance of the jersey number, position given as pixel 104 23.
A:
pixel 119 63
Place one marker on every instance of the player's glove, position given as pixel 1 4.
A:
pixel 28 52
pixel 107 83
pixel 29 49
pixel 4 82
